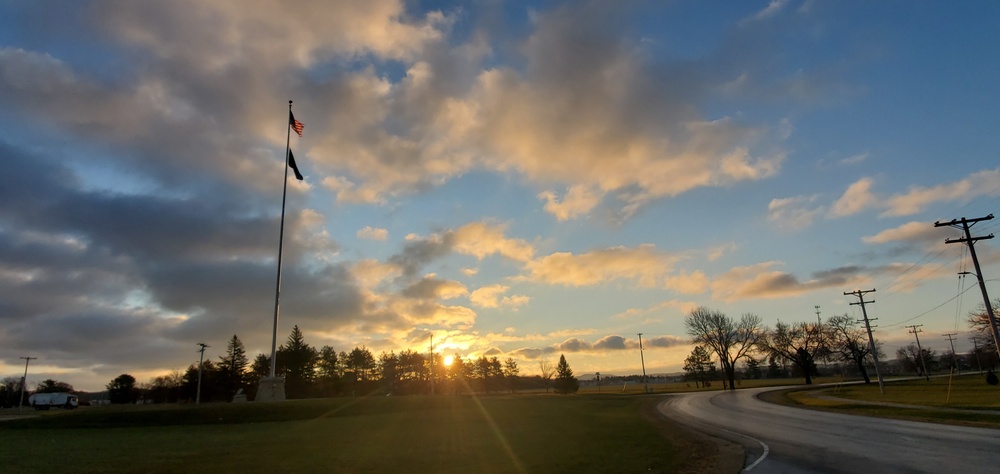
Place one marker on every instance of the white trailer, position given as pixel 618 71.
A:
pixel 44 401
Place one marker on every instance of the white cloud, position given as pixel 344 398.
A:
pixel 917 198
pixel 491 297
pixel 644 264
pixel 855 199
pixel 578 200
pixel 373 233
pixel 908 232
pixel 793 213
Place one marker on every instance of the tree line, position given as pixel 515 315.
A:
pixel 795 348
pixel 310 373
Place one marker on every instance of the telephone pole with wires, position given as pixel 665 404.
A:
pixel 965 224
pixel 914 329
pixel 954 356
pixel 871 340
pixel 643 360
pixel 201 360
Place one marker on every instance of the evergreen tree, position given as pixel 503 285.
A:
pixel 697 365
pixel 210 387
pixel 232 368
pixel 328 372
pixel 297 361
pixel 565 381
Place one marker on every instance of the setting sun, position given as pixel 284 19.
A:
pixel 448 360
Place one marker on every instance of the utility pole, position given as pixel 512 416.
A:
pixel 432 363
pixel 920 350
pixel 871 340
pixel 24 381
pixel 969 239
pixel 201 360
pixel 954 356
pixel 975 345
pixel 643 360
pixel 818 321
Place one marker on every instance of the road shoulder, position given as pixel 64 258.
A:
pixel 700 452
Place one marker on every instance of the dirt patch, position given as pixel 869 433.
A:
pixel 699 452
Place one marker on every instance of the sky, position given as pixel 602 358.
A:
pixel 515 179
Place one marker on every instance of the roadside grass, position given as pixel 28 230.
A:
pixel 956 401
pixel 443 434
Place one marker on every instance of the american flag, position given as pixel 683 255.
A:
pixel 295 124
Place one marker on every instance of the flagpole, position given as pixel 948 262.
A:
pixel 281 237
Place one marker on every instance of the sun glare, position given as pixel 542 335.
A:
pixel 448 360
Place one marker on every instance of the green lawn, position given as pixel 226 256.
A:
pixel 939 397
pixel 966 391
pixel 533 433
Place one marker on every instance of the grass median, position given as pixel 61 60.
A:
pixel 529 433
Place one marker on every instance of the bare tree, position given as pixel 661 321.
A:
pixel 547 372
pixel 850 343
pixel 979 321
pixel 799 343
pixel 729 339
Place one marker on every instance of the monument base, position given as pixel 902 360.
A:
pixel 271 389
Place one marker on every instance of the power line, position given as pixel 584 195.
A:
pixel 928 311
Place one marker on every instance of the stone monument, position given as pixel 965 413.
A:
pixel 271 389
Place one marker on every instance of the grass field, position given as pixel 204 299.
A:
pixel 957 400
pixel 535 433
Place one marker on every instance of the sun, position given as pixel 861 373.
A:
pixel 448 360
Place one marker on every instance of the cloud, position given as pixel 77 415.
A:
pixel 858 197
pixel 718 251
pixel 854 159
pixel 477 239
pixel 490 297
pixel 688 283
pixel 793 213
pixel 373 233
pixel 761 281
pixel 644 265
pixel 913 231
pixel 917 198
pixel 430 287
pixel 607 344
pixel 482 240
pixel 772 9
pixel 578 200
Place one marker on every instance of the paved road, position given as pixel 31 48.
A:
pixel 780 439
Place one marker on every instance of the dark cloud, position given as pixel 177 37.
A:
pixel 418 253
pixel 612 343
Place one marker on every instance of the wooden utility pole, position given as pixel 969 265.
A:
pixel 975 348
pixel 954 356
pixel 920 350
pixel 24 380
pixel 965 224
pixel 201 360
pixel 643 360
pixel 871 340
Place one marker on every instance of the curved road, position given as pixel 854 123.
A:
pixel 781 439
